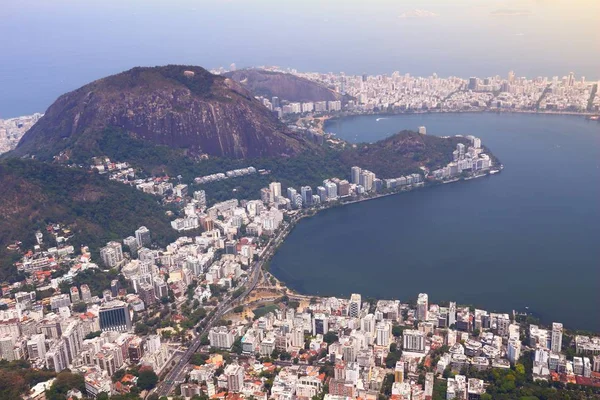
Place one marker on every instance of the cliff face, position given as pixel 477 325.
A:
pixel 285 86
pixel 178 106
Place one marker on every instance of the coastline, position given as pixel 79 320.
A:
pixel 340 116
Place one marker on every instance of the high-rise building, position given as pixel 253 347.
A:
pixel 354 305
pixel 266 196
pixel 75 295
pixel 36 347
pixel 86 294
pixel 556 343
pixel 383 332
pixel 275 101
pixel 355 174
pixel 511 76
pixel 114 316
pixel 422 307
pixel 200 197
pixel 331 190
pixel 114 287
pixel 146 292
pixel 399 372
pixel 221 338
pixel 131 243
pixel 451 313
pixel 320 324
pixel 366 179
pixel 306 192
pixel 142 235
pixel 291 193
pixel 413 340
pixel 111 254
pixel 235 377
pixel 161 289
pixel 514 350
pixel 322 193
pixel 135 350
pixel 343 188
pixel 275 190
pixel 367 324
pixel 472 83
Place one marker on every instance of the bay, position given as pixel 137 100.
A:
pixel 527 237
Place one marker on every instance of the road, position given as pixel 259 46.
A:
pixel 177 374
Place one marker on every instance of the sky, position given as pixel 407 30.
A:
pixel 51 47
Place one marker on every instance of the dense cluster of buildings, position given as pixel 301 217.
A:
pixel 13 129
pixel 402 92
pixel 471 160
pixel 281 107
pixel 225 175
pixel 92 333
pixel 372 340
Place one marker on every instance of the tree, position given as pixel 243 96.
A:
pixel 330 337
pixel 147 379
pixel 238 309
pixel 199 359
pixel 141 329
pixel 64 382
pixel 397 330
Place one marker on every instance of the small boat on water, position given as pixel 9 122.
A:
pixel 494 171
pixel 379 119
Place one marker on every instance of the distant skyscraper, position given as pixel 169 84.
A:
pixel 557 331
pixel 472 83
pixel 511 76
pixel 452 313
pixel 422 307
pixel 275 102
pixel 275 189
pixel 320 324
pixel 306 192
pixel 571 80
pixel 355 171
pixel 291 193
pixel 383 332
pixel 142 235
pixel 354 305
pixel 331 189
pixel 322 193
pixel 200 197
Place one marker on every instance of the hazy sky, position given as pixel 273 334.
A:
pixel 49 47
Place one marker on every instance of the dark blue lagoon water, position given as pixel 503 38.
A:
pixel 527 237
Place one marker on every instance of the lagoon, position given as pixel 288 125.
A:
pixel 526 238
